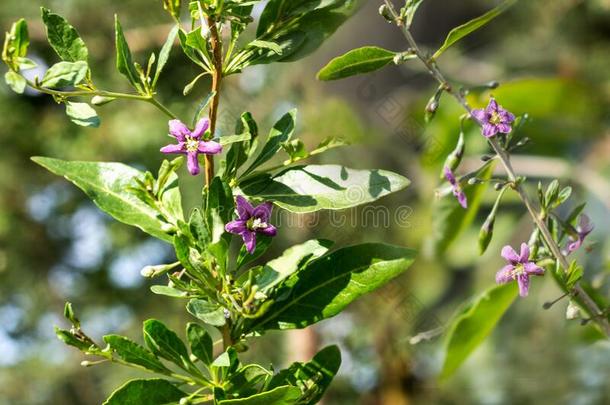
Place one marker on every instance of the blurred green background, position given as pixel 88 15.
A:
pixel 552 57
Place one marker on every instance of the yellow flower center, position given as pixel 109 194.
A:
pixel 192 144
pixel 256 223
pixel 495 118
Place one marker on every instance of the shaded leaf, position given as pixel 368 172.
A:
pixel 201 343
pixel 124 61
pixel 286 395
pixel 150 392
pixel 65 74
pixel 133 353
pixel 206 311
pixel 82 114
pixel 165 343
pixel 357 61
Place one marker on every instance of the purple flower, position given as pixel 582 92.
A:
pixel 456 188
pixel 494 119
pixel 520 268
pixel 191 143
pixel 251 221
pixel 583 229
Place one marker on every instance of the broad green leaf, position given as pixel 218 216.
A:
pixel 82 114
pixel 311 188
pixel 124 61
pixel 465 29
pixel 201 343
pixel 65 74
pixel 108 185
pixel 450 219
pixel 64 38
pixel 164 54
pixel 327 285
pixel 154 391
pixel 316 374
pixel 356 61
pixel 286 395
pixel 282 131
pixel 163 342
pixel 474 323
pixel 15 81
pixel 168 291
pixel 133 353
pixel 206 311
pixel 277 270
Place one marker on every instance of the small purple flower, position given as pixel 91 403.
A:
pixel 456 188
pixel 191 143
pixel 520 268
pixel 251 221
pixel 494 119
pixel 583 229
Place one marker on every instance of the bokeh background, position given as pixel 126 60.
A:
pixel 552 57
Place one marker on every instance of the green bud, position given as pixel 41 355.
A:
pixel 155 271
pixel 101 100
pixel 455 157
pixel 572 311
pixel 486 232
pixel 69 315
pixel 385 12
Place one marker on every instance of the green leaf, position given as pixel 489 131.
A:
pixel 164 54
pixel 124 61
pixel 311 188
pixel 71 340
pixel 63 38
pixel 465 29
pixel 165 343
pixel 15 81
pixel 206 311
pixel 277 270
pixel 327 285
pixel 133 353
pixel 201 343
pixel 108 185
pixel 244 257
pixel 229 139
pixel 240 152
pixel 474 323
pixel 82 114
pixel 154 391
pixel 282 131
pixel 16 44
pixel 257 43
pixel 168 291
pixel 316 374
pixel 357 61
pixel 286 395
pixel 450 219
pixel 65 74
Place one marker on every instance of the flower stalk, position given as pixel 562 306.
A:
pixel 577 292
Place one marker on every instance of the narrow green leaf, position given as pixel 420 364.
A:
pixel 124 61
pixel 150 392
pixel 168 291
pixel 474 323
pixel 71 340
pixel 82 114
pixel 164 54
pixel 286 395
pixel 201 343
pixel 227 140
pixel 63 38
pixel 206 311
pixel 133 353
pixel 465 29
pixel 257 43
pixel 108 185
pixel 357 61
pixel 163 342
pixel 16 44
pixel 282 131
pixel 327 285
pixel 311 188
pixel 65 74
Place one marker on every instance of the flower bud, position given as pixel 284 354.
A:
pixel 455 157
pixel 493 85
pixel 86 363
pixel 572 311
pixel 385 12
pixel 486 232
pixel 155 271
pixel 101 100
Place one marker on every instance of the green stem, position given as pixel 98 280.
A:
pixel 577 292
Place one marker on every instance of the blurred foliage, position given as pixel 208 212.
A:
pixel 551 57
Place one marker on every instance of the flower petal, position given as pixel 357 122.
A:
pixel 524 284
pixel 263 211
pixel 192 163
pixel 449 176
pixel 178 130
pixel 179 148
pixel 574 245
pixel 209 148
pixel 480 115
pixel 585 226
pixel 244 208
pixel 505 274
pixel 506 116
pixel 249 238
pixel 489 130
pixel 200 128
pixel 504 128
pixel 492 106
pixel 270 230
pixel 236 227
pixel 461 197
pixel 533 269
pixel 509 254
pixel 524 255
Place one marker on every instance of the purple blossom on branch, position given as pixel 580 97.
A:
pixel 494 119
pixel 583 229
pixel 520 268
pixel 456 188
pixel 251 221
pixel 191 144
